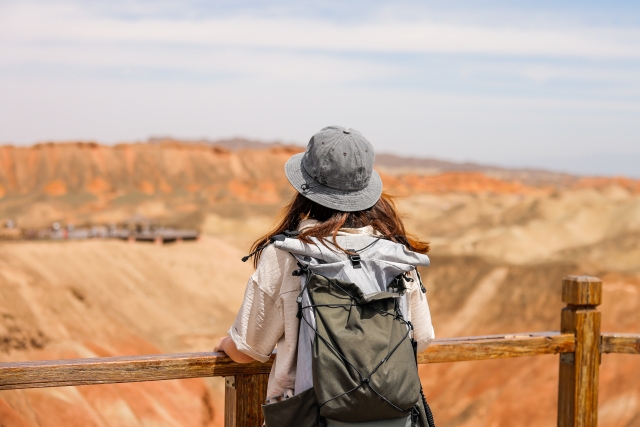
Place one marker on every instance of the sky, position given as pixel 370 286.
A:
pixel 545 84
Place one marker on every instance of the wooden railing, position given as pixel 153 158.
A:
pixel 579 343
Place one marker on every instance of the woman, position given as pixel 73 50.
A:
pixel 339 205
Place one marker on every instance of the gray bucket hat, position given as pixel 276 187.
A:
pixel 336 170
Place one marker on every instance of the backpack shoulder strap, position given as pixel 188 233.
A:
pixel 275 238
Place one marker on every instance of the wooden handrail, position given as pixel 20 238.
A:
pixel 497 347
pixel 106 370
pixel 620 343
pixel 580 344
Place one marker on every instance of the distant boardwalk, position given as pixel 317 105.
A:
pixel 162 236
pixel 132 232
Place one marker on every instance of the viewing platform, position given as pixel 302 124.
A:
pixel 579 344
pixel 161 236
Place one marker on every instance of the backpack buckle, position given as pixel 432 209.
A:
pixel 303 269
pixel 354 257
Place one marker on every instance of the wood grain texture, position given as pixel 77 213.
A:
pixel 497 347
pixel 582 290
pixel 579 375
pixel 230 396
pixel 57 373
pixel 243 399
pixel 620 343
pixel 251 391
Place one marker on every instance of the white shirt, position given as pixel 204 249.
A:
pixel 267 316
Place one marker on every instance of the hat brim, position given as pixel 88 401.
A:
pixel 346 201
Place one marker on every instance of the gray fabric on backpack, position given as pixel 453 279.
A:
pixel 380 263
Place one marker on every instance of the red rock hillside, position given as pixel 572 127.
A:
pixel 501 243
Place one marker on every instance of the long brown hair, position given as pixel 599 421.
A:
pixel 382 216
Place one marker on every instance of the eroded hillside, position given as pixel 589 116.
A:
pixel 170 183
pixel 180 183
pixel 108 298
pixel 500 248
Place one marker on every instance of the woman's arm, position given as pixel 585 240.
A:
pixel 259 323
pixel 226 345
pixel 420 314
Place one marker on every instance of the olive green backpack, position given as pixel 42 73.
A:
pixel 363 360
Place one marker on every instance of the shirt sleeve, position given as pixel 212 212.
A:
pixel 259 323
pixel 423 331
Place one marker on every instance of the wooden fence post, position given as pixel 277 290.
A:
pixel 578 385
pixel 242 399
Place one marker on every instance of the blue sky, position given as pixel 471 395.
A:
pixel 542 84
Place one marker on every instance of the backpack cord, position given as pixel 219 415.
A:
pixel 363 381
pixel 368 246
pixel 348 251
pixel 300 308
pixel 285 234
pixel 427 409
pixel 290 234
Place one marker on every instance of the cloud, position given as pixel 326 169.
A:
pixel 469 88
pixel 72 24
pixel 540 71
pixel 194 63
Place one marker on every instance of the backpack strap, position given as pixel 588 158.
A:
pixel 422 288
pixel 275 238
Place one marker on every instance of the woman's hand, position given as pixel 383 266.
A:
pixel 219 347
pixel 226 345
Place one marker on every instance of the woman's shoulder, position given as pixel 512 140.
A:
pixel 273 273
pixel 272 257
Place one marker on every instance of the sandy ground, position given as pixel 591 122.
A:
pixel 106 298
pixel 497 264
